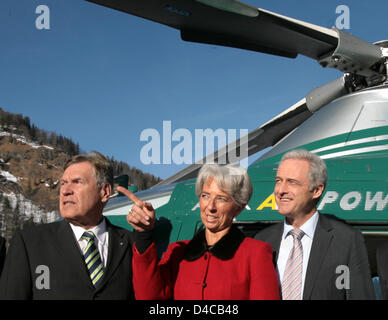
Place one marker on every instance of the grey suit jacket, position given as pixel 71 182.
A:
pixel 382 268
pixel 44 262
pixel 335 245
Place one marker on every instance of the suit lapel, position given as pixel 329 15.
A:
pixel 67 244
pixel 321 242
pixel 275 239
pixel 117 247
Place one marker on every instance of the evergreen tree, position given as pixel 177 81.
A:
pixel 7 223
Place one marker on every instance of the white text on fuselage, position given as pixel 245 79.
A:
pixel 351 200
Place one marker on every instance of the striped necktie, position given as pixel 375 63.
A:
pixel 92 258
pixel 292 279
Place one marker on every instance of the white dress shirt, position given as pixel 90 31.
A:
pixel 287 244
pixel 101 236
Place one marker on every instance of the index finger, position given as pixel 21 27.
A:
pixel 131 196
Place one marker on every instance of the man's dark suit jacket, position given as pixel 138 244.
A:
pixel 334 244
pixel 382 268
pixel 2 253
pixel 54 247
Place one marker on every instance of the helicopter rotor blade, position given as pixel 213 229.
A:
pixel 235 24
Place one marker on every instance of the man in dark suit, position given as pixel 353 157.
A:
pixel 81 257
pixel 382 268
pixel 323 258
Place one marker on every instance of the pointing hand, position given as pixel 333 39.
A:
pixel 142 215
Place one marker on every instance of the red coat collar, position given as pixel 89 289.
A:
pixel 224 249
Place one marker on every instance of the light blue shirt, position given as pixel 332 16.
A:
pixel 287 243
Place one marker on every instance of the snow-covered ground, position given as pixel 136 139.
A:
pixel 24 140
pixel 9 176
pixel 28 209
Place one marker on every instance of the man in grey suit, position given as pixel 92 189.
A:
pixel 317 257
pixel 81 257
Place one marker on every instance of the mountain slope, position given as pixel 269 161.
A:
pixel 31 165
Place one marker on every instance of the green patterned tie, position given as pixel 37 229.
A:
pixel 92 258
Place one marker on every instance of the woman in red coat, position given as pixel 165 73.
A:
pixel 219 262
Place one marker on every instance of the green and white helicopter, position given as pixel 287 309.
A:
pixel 344 121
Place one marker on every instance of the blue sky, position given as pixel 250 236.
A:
pixel 101 77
